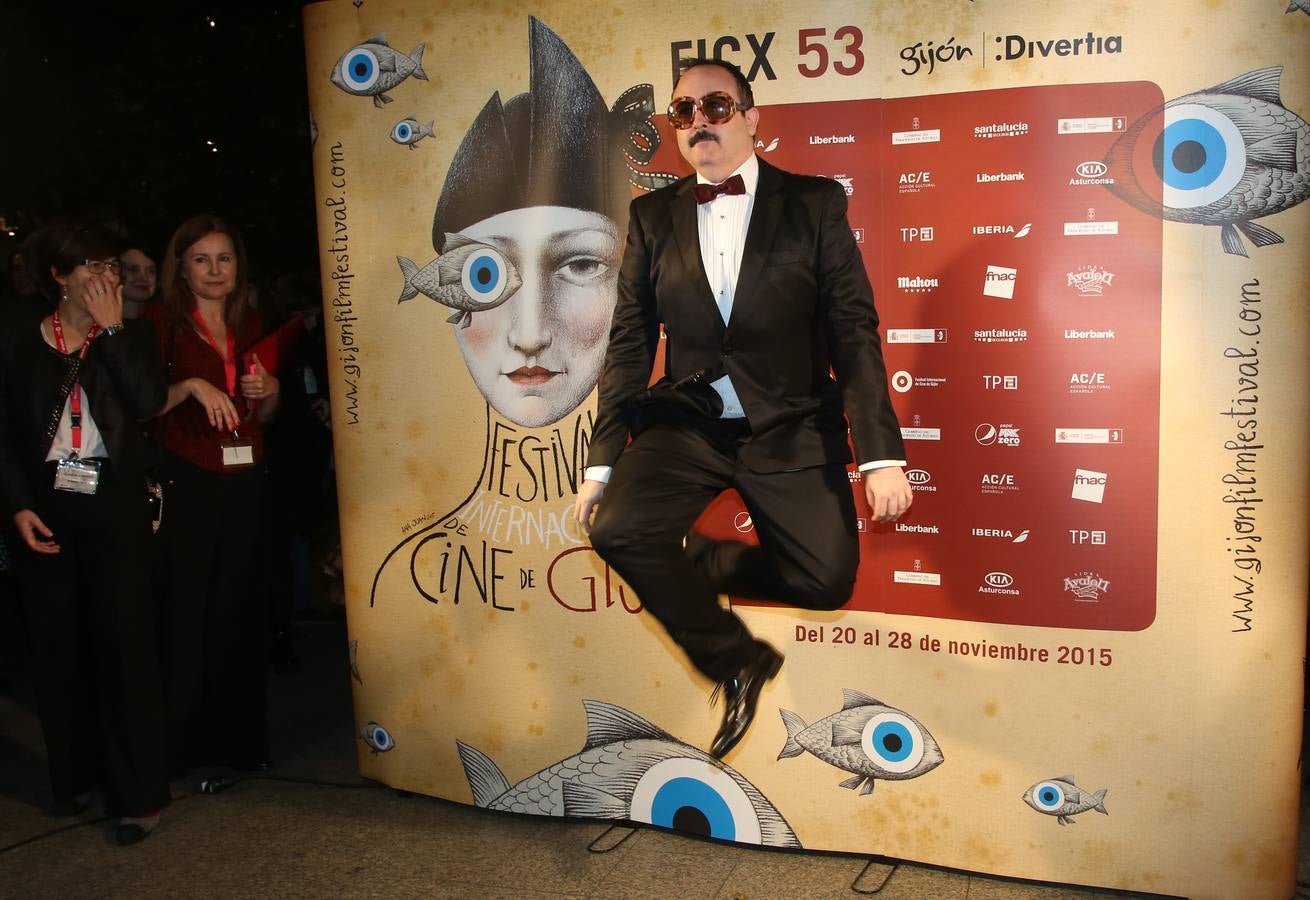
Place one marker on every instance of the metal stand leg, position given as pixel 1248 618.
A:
pixel 611 838
pixel 891 865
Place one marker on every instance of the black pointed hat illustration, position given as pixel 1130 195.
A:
pixel 551 146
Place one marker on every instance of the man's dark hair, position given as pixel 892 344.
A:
pixel 743 86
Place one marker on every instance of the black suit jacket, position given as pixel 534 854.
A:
pixel 803 305
pixel 124 383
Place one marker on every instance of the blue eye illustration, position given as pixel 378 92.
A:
pixel 696 797
pixel 1048 796
pixel 894 741
pixel 1200 156
pixel 360 69
pixel 483 275
pixel 402 132
pixel 377 738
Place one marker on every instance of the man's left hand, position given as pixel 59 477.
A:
pixel 888 493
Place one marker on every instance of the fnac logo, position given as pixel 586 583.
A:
pixel 999 579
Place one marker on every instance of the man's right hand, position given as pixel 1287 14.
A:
pixel 588 496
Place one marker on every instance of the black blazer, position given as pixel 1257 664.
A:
pixel 803 305
pixel 124 383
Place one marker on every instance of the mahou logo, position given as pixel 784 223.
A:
pixel 1086 587
pixel 1090 281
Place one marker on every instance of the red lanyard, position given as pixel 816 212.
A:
pixel 230 361
pixel 75 395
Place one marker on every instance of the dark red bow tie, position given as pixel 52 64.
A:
pixel 707 192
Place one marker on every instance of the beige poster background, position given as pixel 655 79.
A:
pixel 1195 727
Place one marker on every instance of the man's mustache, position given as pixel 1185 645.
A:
pixel 702 135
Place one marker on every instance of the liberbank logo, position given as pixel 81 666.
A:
pixel 902 528
pixel 1017 46
pixel 820 139
pixel 993 177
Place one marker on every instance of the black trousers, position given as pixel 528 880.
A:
pixel 214 633
pixel 805 521
pixel 95 662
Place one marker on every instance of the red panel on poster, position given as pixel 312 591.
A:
pixel 1020 309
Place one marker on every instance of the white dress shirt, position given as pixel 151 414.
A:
pixel 722 224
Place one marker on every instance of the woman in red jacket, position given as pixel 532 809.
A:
pixel 214 486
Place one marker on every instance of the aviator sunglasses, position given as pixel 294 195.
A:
pixel 718 107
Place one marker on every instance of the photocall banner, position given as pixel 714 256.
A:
pixel 1078 657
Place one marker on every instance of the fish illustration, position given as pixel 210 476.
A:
pixel 1222 156
pixel 631 770
pixel 354 661
pixel 1303 5
pixel 313 130
pixel 377 738
pixel 372 68
pixel 469 276
pixel 866 737
pixel 1061 798
pixel 410 131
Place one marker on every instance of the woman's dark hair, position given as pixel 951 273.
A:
pixel 177 296
pixel 61 247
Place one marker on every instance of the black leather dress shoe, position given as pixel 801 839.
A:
pixel 741 694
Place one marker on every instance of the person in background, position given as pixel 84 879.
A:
pixel 72 481
pixel 211 430
pixel 139 281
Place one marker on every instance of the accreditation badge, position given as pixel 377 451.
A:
pixel 238 453
pixel 77 476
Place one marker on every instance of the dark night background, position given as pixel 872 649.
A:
pixel 109 111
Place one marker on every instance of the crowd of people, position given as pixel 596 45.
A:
pixel 165 474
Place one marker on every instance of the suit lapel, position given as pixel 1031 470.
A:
pixel 765 216
pixel 687 231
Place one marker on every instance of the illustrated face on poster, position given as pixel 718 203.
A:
pixel 538 355
pixel 539 184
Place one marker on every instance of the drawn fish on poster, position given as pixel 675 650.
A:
pixel 629 769
pixel 1222 156
pixel 866 737
pixel 409 131
pixel 377 738
pixel 372 68
pixel 1303 5
pixel 469 276
pixel 1061 798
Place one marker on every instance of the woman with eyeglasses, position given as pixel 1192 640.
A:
pixel 72 480
pixel 214 629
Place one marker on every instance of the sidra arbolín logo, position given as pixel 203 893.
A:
pixel 1086 587
pixel 1090 281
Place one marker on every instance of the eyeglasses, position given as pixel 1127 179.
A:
pixel 98 266
pixel 718 107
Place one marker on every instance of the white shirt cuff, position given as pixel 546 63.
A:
pixel 877 464
pixel 597 473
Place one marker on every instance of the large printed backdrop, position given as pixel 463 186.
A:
pixel 1078 658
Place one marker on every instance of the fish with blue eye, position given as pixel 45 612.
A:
pixel 1222 156
pixel 469 276
pixel 1061 798
pixel 372 68
pixel 409 131
pixel 1303 5
pixel 866 737
pixel 632 770
pixel 377 738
